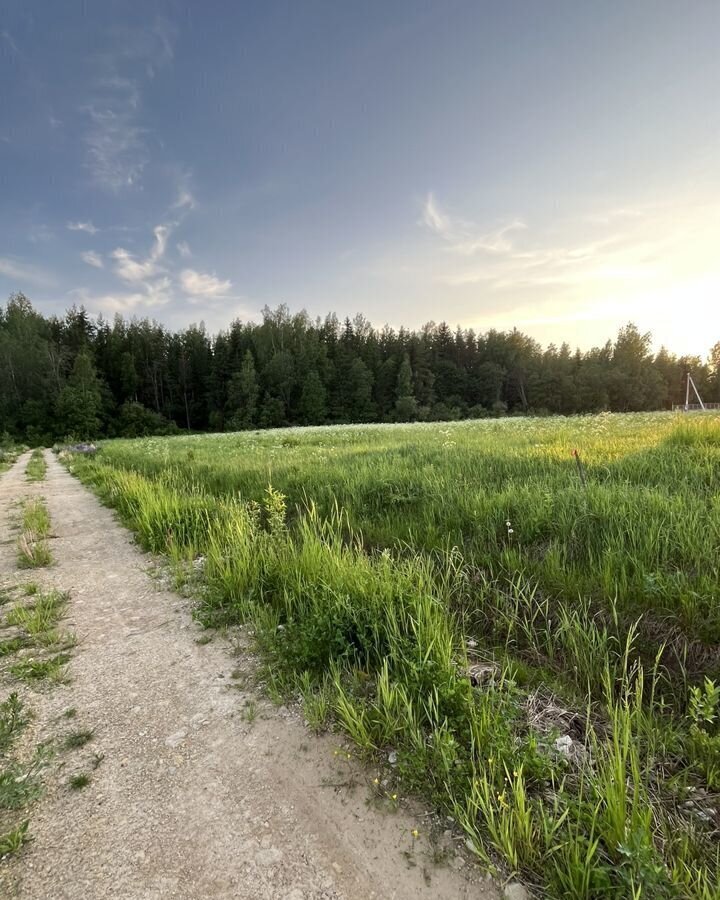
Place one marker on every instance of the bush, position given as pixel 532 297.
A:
pixel 136 420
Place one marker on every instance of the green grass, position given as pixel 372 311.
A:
pixel 33 670
pixel 13 720
pixel 77 739
pixel 32 545
pixel 36 467
pixel 8 455
pixel 38 619
pixel 13 840
pixel 78 782
pixel 387 564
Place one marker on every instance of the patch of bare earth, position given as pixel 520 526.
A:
pixel 187 798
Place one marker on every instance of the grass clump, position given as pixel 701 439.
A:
pixel 38 619
pixel 15 839
pixel 77 739
pixel 80 781
pixel 34 670
pixel 536 653
pixel 36 467
pixel 33 548
pixel 13 719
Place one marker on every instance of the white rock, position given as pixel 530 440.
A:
pixel 515 891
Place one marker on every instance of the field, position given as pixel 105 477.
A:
pixel 522 614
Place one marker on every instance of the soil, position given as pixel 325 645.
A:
pixel 187 797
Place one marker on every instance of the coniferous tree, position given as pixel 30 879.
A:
pixel 80 401
pixel 405 404
pixel 242 395
pixel 312 407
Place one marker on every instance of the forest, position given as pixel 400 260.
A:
pixel 84 378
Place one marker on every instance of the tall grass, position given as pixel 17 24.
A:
pixel 33 550
pixel 395 561
pixel 36 467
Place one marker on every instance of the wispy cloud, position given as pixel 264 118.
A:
pixel 92 259
pixel 87 227
pixel 10 41
pixel 203 286
pixel 184 250
pixel 184 199
pixel 22 273
pixel 115 139
pixel 121 302
pixel 465 237
pixel 133 270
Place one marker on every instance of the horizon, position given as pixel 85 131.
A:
pixel 552 170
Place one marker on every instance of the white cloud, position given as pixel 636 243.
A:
pixel 185 199
pixel 202 285
pixel 183 249
pixel 21 272
pixel 92 259
pixel 135 270
pixel 465 238
pixel 433 218
pixel 88 227
pixel 115 139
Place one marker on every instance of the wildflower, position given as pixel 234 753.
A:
pixel 415 833
pixel 511 531
pixel 502 800
pixel 393 797
pixel 376 781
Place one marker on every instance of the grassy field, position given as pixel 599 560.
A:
pixel 522 614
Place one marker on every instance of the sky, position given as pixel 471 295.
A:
pixel 553 166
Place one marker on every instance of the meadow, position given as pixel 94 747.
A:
pixel 522 614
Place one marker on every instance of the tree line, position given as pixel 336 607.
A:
pixel 81 377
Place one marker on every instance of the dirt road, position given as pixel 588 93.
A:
pixel 191 799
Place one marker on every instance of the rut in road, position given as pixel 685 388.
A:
pixel 190 800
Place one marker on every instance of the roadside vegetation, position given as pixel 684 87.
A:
pixel 8 452
pixel 517 619
pixel 36 467
pixel 33 655
pixel 32 546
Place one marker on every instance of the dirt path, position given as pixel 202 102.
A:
pixel 190 800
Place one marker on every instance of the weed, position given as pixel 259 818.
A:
pixel 36 467
pixel 78 782
pixel 250 712
pixel 77 739
pixel 13 840
pixel 32 546
pixel 18 786
pixel 203 639
pixel 70 713
pixel 53 669
pixel 13 719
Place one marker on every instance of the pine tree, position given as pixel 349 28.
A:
pixel 80 401
pixel 313 405
pixel 242 395
pixel 405 404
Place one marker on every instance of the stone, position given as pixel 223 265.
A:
pixel 515 891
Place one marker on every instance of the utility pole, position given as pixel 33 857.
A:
pixel 690 383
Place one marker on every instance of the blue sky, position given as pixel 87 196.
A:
pixel 551 165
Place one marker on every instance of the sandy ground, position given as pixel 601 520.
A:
pixel 190 800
